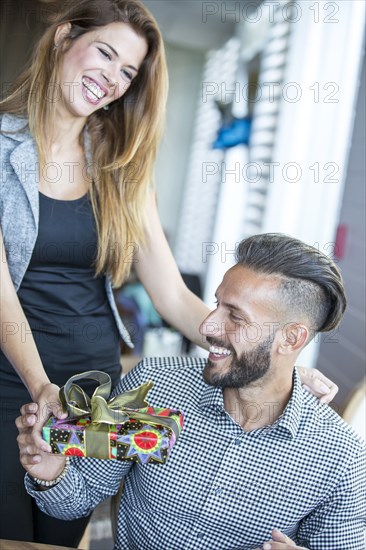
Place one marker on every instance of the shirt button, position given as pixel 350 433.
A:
pixel 237 441
pixel 218 491
pixel 200 535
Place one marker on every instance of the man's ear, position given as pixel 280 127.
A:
pixel 61 33
pixel 294 338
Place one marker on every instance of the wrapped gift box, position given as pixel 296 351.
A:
pixel 134 440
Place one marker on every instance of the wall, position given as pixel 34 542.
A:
pixel 185 68
pixel 314 132
pixel 21 23
pixel 344 359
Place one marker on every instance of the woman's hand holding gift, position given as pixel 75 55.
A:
pixel 48 404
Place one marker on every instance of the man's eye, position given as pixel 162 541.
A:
pixel 235 318
pixel 104 53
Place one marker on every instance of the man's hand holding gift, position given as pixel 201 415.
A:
pixel 124 427
pixel 36 458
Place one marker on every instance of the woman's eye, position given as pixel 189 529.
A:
pixel 127 74
pixel 104 53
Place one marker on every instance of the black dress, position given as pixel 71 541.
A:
pixel 74 329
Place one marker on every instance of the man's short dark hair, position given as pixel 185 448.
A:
pixel 311 282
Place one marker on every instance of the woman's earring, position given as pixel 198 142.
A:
pixel 106 107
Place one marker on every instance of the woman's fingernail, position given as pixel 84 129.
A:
pixel 324 389
pixel 266 546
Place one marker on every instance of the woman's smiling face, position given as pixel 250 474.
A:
pixel 99 67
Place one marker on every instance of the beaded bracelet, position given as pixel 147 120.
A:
pixel 52 482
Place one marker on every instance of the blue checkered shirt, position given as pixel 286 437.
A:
pixel 222 487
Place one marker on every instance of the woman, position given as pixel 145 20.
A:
pixel 79 135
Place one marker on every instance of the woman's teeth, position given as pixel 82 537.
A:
pixel 92 89
pixel 219 351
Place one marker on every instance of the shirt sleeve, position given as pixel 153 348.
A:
pixel 340 521
pixel 88 481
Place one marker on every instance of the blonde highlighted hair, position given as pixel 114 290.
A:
pixel 123 139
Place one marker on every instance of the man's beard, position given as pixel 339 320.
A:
pixel 249 367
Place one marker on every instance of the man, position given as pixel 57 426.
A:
pixel 260 463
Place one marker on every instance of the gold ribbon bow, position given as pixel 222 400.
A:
pixel 104 412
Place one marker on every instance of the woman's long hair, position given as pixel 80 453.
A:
pixel 124 139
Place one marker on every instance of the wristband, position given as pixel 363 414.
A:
pixel 52 482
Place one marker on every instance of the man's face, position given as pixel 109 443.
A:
pixel 242 329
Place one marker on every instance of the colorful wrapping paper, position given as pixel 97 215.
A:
pixel 122 428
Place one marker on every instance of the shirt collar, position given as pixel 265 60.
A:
pixel 289 421
pixel 286 425
pixel 211 398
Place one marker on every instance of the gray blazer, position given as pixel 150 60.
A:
pixel 19 203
